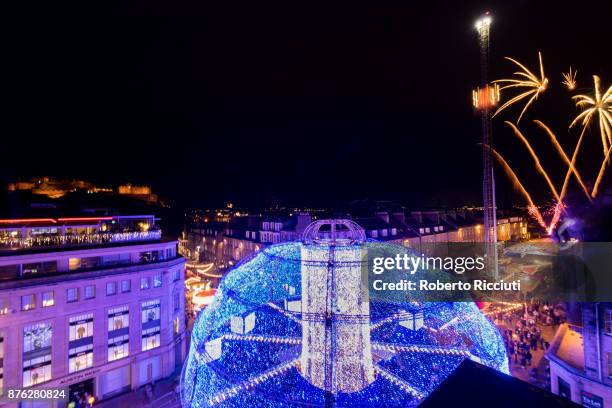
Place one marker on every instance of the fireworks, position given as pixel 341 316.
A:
pixel 533 209
pixel 535 159
pixel 535 85
pixel 561 152
pixel 599 105
pixel 600 174
pixel 570 79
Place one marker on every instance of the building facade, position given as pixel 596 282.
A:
pixel 580 358
pixel 225 243
pixel 89 304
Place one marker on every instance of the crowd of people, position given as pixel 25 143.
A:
pixel 522 333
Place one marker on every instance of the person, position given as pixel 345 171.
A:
pixel 528 357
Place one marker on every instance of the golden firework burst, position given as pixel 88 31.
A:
pixel 570 79
pixel 535 85
pixel 600 105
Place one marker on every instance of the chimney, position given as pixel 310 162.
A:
pixel 400 216
pixel 383 215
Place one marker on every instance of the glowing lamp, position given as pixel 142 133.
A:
pixel 242 325
pixel 412 320
pixel 213 350
pixel 485 98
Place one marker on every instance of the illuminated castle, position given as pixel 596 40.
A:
pixel 295 324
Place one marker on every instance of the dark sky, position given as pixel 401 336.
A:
pixel 298 103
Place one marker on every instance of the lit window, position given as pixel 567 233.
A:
pixel 118 347
pixel 3 307
pixel 144 283
pixel 126 286
pixel 150 318
pixel 80 358
pixel 90 291
pixel 150 338
pixel 37 337
pixel 48 299
pixel 81 326
pixel 176 325
pixel 72 295
pixel 111 288
pixel 118 318
pixel 157 281
pixel 28 302
pixel 37 340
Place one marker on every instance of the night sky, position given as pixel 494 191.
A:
pixel 298 104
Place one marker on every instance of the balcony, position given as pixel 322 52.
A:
pixel 56 241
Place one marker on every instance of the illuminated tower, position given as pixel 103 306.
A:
pixel 484 99
pixel 336 348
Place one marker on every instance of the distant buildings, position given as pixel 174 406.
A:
pixel 57 188
pixel 580 357
pixel 224 243
pixel 89 303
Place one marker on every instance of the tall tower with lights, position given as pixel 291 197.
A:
pixel 484 99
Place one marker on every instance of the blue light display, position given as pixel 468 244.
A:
pixel 247 346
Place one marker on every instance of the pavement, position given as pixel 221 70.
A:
pixel 163 396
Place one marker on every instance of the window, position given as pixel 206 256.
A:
pixel 118 347
pixel 1 364
pixel 36 370
pixel 176 275
pixel 36 337
pixel 73 295
pixel 157 281
pixel 3 307
pixel 150 321
pixel 176 325
pixel 111 288
pixel 177 301
pixel 609 364
pixel 90 291
pixel 81 326
pixel 608 322
pixel 28 302
pixel 118 333
pixel 39 267
pixel 48 299
pixel 150 311
pixel 144 283
pixel 126 286
pixel 37 340
pixel 80 358
pixel 150 338
pixel 565 390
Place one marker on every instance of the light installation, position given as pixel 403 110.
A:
pixel 294 325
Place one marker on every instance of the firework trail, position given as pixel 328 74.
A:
pixel 535 159
pixel 566 159
pixel 601 173
pixel 533 209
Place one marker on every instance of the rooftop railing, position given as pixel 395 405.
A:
pixel 102 238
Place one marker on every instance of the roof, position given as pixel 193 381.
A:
pixel 568 346
pixel 476 385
